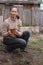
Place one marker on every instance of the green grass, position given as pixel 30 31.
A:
pixel 23 60
pixel 36 44
pixel 40 49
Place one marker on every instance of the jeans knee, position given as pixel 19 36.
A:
pixel 23 43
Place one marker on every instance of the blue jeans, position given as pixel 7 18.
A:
pixel 17 42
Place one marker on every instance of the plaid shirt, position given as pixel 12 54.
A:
pixel 9 24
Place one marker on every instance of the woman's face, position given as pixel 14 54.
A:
pixel 13 13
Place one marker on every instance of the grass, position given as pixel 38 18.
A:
pixel 23 60
pixel 40 49
pixel 36 43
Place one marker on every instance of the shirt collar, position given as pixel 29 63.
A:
pixel 12 20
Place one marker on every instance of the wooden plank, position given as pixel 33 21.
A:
pixel 35 16
pixel 27 16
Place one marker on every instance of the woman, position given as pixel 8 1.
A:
pixel 13 38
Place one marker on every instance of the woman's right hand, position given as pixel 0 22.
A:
pixel 10 34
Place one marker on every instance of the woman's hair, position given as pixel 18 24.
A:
pixel 18 17
pixel 13 6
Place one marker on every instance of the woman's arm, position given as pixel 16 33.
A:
pixel 5 29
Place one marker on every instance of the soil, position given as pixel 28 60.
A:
pixel 13 58
pixel 33 57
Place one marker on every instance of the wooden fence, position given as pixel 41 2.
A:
pixel 29 15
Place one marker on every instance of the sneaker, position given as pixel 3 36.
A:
pixel 22 50
pixel 7 49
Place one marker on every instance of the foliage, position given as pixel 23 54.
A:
pixel 36 44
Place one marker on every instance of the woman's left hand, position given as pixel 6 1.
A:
pixel 18 33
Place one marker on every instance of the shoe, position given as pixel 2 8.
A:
pixel 24 50
pixel 7 49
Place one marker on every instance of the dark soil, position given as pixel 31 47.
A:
pixel 32 57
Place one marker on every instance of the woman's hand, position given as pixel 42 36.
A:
pixel 10 34
pixel 18 33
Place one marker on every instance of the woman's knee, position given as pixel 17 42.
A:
pixel 23 43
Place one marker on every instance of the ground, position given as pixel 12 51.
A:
pixel 33 57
